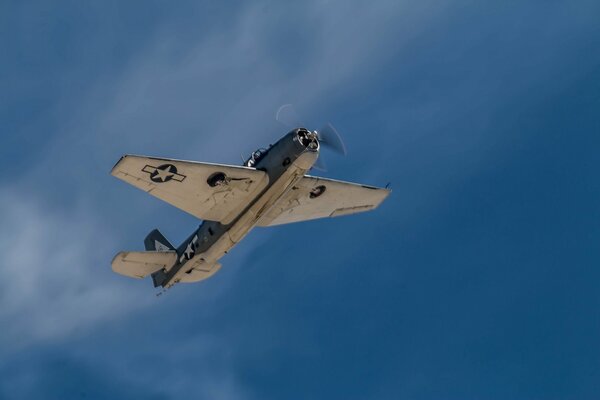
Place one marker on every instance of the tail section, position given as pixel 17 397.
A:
pixel 155 241
pixel 158 261
pixel 159 257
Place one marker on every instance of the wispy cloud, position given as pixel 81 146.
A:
pixel 55 280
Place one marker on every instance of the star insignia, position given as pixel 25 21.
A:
pixel 189 251
pixel 163 173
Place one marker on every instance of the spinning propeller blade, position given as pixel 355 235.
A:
pixel 330 137
pixel 320 164
pixel 287 115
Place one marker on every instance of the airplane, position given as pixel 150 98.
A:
pixel 271 188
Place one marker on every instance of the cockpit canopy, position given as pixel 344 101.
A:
pixel 256 156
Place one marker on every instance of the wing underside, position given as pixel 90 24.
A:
pixel 314 197
pixel 213 192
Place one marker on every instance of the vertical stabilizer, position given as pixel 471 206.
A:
pixel 155 241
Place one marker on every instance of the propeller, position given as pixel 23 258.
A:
pixel 287 115
pixel 328 136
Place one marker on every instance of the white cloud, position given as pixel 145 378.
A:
pixel 53 281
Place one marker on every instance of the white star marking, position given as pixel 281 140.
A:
pixel 189 251
pixel 163 174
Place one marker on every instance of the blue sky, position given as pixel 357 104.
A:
pixel 476 279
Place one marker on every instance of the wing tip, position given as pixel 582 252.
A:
pixel 118 257
pixel 386 192
pixel 113 170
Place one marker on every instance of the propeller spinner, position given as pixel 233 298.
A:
pixel 327 136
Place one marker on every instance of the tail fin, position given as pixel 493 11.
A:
pixel 155 241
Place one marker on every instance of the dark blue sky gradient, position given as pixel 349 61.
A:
pixel 476 279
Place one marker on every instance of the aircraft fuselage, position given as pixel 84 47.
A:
pixel 285 163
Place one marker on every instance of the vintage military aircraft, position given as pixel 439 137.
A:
pixel 271 188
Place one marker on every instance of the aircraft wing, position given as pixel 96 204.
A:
pixel 314 197
pixel 213 192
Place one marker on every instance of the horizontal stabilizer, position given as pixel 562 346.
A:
pixel 139 264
